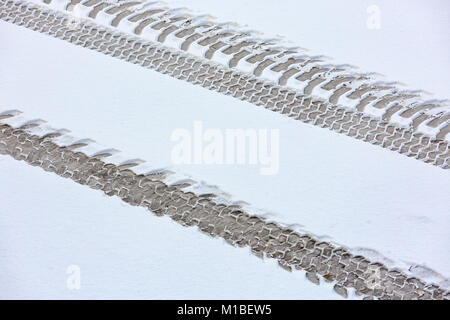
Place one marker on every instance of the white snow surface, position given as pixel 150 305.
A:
pixel 277 41
pixel 374 201
pixel 123 252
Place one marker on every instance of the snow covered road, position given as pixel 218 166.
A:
pixel 375 202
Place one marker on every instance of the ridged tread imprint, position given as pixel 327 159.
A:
pixel 322 261
pixel 230 60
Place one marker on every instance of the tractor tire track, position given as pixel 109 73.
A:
pixel 320 260
pixel 234 62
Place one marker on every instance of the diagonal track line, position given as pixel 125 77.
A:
pixel 292 249
pixel 234 62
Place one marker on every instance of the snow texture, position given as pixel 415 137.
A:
pixel 374 201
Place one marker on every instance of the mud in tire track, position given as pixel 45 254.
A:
pixel 412 140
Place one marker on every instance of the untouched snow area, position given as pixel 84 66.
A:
pixel 49 224
pixel 372 200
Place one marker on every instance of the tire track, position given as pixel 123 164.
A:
pixel 235 62
pixel 322 261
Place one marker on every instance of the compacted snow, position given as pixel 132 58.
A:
pixel 379 203
pixel 49 224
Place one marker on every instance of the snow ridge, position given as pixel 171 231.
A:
pixel 230 60
pixel 190 203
